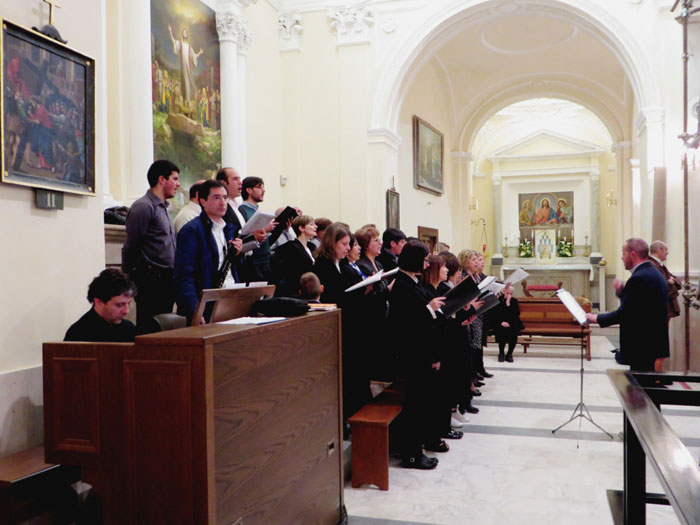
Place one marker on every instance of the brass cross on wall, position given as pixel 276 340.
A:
pixel 52 4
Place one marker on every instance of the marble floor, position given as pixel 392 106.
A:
pixel 509 468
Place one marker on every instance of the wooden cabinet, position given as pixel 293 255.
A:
pixel 212 424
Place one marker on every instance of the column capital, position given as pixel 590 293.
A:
pixel 621 146
pixel 230 24
pixel 384 136
pixel 595 174
pixel 351 24
pixel 290 28
pixel 496 179
pixel 245 38
pixel 462 157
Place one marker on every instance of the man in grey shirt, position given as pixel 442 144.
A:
pixel 148 255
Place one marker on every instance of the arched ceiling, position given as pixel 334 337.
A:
pixel 515 51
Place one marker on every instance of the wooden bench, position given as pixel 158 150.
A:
pixel 370 437
pixel 548 322
pixel 31 488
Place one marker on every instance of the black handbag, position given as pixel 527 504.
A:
pixel 279 307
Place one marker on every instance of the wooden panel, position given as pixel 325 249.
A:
pixel 158 423
pixel 75 392
pixel 276 412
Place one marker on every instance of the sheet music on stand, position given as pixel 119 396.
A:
pixel 572 305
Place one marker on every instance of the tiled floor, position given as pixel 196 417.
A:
pixel 510 468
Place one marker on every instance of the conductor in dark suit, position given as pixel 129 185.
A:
pixel 642 314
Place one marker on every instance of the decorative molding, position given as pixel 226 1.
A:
pixel 230 25
pixel 384 136
pixel 351 24
pixel 245 38
pixel 572 173
pixel 290 28
pixel 389 26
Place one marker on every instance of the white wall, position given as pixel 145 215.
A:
pixel 49 257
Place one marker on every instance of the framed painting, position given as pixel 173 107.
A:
pixel 393 215
pixel 48 113
pixel 428 155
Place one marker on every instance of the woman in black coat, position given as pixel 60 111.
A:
pixel 336 275
pixel 411 322
pixel 294 258
pixel 505 319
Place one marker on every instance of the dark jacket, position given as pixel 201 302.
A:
pixel 91 327
pixel 388 260
pixel 289 262
pixel 412 326
pixel 674 308
pixel 197 262
pixel 504 313
pixel 643 318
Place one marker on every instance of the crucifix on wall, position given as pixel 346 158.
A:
pixel 52 4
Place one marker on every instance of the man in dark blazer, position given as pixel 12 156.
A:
pixel 642 314
pixel 203 245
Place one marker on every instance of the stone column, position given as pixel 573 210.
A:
pixel 234 41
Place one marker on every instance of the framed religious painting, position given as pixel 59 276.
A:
pixel 48 113
pixel 393 215
pixel 428 155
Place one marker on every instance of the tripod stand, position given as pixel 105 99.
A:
pixel 581 407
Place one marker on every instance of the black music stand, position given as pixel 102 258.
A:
pixel 581 410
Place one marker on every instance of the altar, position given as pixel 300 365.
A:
pixel 576 276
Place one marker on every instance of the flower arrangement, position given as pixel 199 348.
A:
pixel 565 248
pixel 525 248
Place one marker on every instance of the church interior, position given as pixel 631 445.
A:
pixel 576 106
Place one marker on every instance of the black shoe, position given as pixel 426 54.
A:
pixel 453 434
pixel 478 383
pixel 486 374
pixel 440 446
pixel 476 392
pixel 478 377
pixel 501 358
pixel 469 408
pixel 421 462
pixel 509 358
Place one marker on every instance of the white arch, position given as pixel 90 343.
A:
pixel 453 17
pixel 481 108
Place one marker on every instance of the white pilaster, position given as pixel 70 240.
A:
pixel 623 210
pixel 241 152
pixel 496 179
pixel 595 210
pixel 290 29
pixel 139 140
pixel 636 179
pixel 650 126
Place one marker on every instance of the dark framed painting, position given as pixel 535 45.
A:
pixel 428 155
pixel 48 113
pixel 393 212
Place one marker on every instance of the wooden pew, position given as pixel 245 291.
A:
pixel 548 322
pixel 31 489
pixel 207 424
pixel 370 437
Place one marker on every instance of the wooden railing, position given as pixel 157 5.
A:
pixel 647 434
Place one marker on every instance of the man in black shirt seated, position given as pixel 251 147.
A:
pixel 110 293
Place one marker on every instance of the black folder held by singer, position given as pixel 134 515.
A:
pixel 458 297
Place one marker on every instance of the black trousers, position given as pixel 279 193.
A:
pixel 154 295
